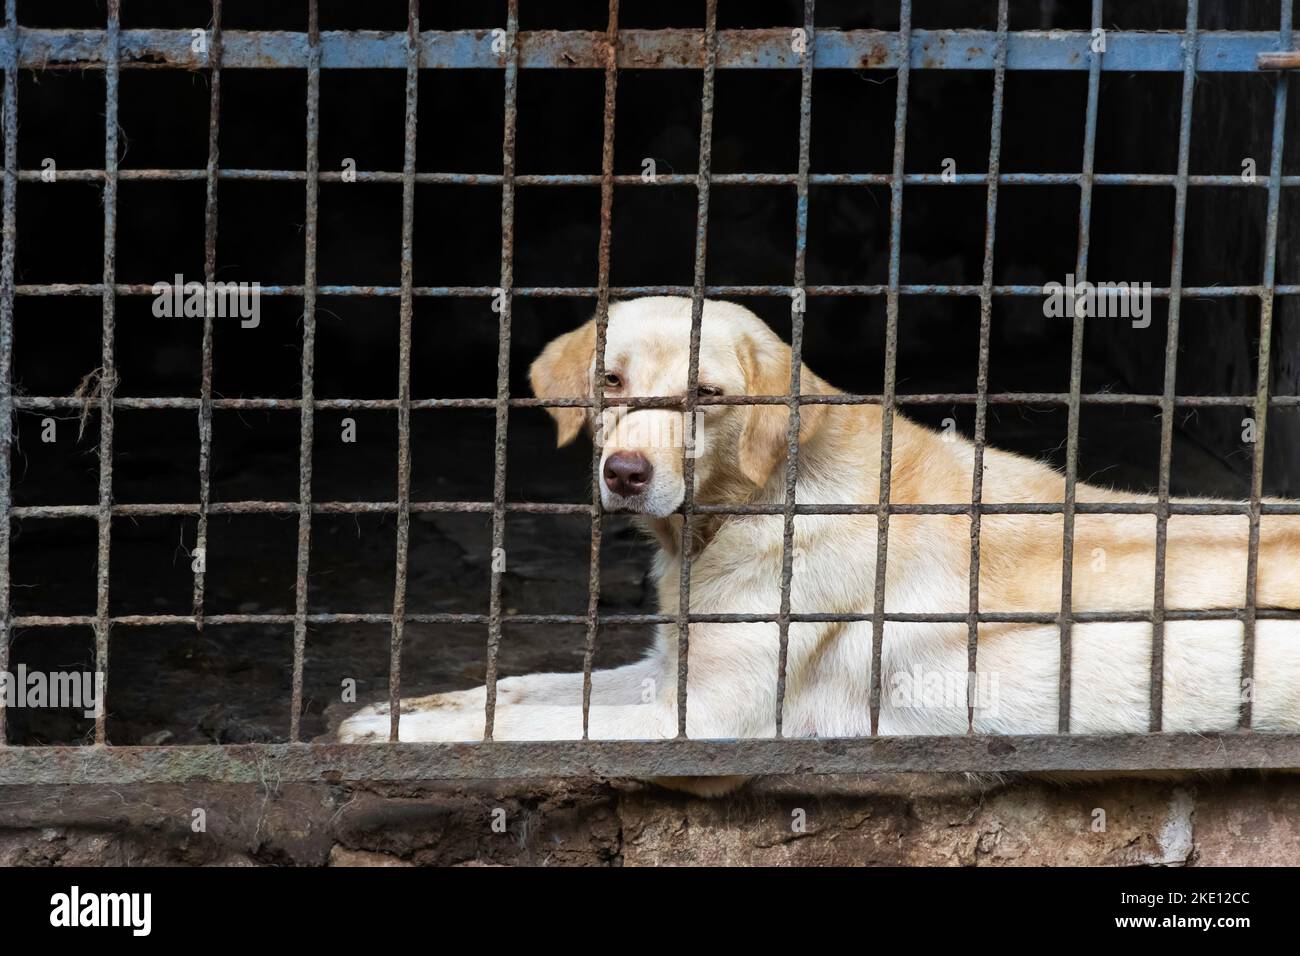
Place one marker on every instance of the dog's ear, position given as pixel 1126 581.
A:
pixel 763 440
pixel 563 371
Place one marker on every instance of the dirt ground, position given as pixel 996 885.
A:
pixel 910 819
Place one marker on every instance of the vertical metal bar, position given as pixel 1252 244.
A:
pixel 1076 385
pixel 1265 356
pixel 982 376
pixel 1191 42
pixel 503 355
pixel 602 321
pixel 108 371
pixel 404 372
pixel 307 421
pixel 798 307
pixel 891 354
pixel 7 328
pixel 209 277
pixel 702 177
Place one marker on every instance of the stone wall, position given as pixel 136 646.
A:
pixel 885 820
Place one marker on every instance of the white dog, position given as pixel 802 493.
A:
pixel 736 568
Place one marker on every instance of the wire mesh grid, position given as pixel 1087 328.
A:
pixel 998 51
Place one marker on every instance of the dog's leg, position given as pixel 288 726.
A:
pixel 513 722
pixel 621 686
pixel 728 696
pixel 731 694
pixel 425 721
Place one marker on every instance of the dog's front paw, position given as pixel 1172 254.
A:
pixel 368 725
pixel 423 719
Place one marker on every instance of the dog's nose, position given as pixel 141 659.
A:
pixel 627 473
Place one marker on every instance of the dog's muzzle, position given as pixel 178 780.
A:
pixel 627 473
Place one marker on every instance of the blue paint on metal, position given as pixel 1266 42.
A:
pixel 1220 51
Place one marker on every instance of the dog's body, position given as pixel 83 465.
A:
pixel 736 568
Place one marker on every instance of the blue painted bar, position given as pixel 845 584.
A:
pixel 1126 51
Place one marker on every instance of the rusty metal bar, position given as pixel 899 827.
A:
pixel 341 763
pixel 406 310
pixel 982 373
pixel 209 277
pixel 798 307
pixel 1280 60
pixel 589 292
pixel 661 179
pixel 693 368
pixel 307 418
pixel 891 364
pixel 555 508
pixel 107 371
pixel 10 228
pixel 502 402
pixel 1262 386
pixel 1156 717
pixel 55 402
pixel 448 617
pixel 598 382
pixel 671 49
pixel 1076 384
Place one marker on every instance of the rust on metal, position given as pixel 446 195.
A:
pixel 891 362
pixel 797 309
pixel 683 619
pixel 603 253
pixel 982 373
pixel 406 312
pixel 107 373
pixel 501 403
pixel 10 242
pixel 1262 390
pixel 306 426
pixel 1067 617
pixel 1157 678
pixel 340 763
pixel 209 277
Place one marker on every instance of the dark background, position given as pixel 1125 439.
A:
pixel 231 683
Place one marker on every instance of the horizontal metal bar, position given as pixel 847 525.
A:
pixel 1282 60
pixel 293 507
pixel 1126 51
pixel 660 179
pixel 589 292
pixel 638 620
pixel 56 402
pixel 1203 508
pixel 340 763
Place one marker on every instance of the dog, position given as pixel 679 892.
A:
pixel 739 455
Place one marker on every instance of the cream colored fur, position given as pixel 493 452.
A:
pixel 736 568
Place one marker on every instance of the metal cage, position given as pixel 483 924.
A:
pixel 508 49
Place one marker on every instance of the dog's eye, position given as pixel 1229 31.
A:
pixel 612 380
pixel 710 390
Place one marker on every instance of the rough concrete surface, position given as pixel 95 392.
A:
pixel 910 820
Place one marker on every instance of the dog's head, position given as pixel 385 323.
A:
pixel 647 354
